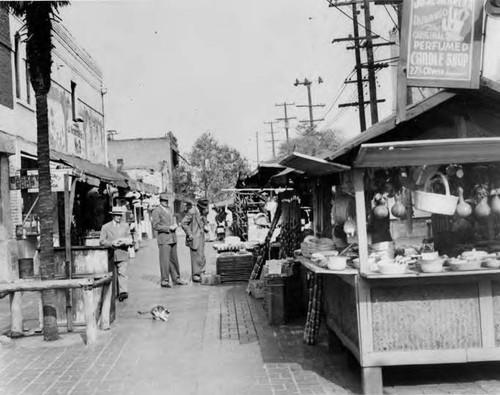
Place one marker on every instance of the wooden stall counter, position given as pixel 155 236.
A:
pixel 86 261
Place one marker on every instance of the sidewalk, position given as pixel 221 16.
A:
pixel 217 341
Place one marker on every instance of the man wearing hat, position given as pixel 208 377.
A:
pixel 163 221
pixel 195 225
pixel 116 235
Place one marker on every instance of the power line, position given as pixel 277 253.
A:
pixel 390 16
pixel 364 27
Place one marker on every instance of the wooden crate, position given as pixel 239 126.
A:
pixel 234 267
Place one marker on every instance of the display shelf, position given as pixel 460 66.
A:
pixel 308 264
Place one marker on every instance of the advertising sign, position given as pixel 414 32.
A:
pixel 443 43
pixel 30 181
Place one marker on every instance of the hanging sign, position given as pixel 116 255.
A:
pixel 30 180
pixel 442 41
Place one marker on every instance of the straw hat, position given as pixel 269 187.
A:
pixel 118 210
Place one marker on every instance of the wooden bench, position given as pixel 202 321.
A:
pixel 16 288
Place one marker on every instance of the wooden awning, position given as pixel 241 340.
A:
pixel 311 165
pixel 429 152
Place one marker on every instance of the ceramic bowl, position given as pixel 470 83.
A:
pixel 473 255
pixel 492 263
pixel 337 262
pixel 432 265
pixel 463 264
pixel 430 256
pixel 389 266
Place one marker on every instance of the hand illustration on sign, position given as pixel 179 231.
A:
pixel 454 22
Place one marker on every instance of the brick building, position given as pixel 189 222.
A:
pixel 149 160
pixel 76 126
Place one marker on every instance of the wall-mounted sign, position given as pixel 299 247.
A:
pixel 442 42
pixel 30 180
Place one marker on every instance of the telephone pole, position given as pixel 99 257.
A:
pixel 272 141
pixel 365 42
pixel 286 118
pixel 308 84
pixel 370 63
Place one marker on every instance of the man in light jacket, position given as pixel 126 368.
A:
pixel 195 225
pixel 163 222
pixel 116 235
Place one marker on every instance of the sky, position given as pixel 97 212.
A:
pixel 221 66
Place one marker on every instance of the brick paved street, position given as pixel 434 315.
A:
pixel 217 341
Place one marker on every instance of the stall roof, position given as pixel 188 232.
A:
pixel 390 123
pixel 429 152
pixel 311 165
pixel 92 169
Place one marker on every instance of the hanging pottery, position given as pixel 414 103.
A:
pixel 380 209
pixel 495 203
pixel 464 209
pixel 482 210
pixel 350 227
pixel 398 209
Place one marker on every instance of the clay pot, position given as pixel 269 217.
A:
pixel 495 204
pixel 380 211
pixel 464 209
pixel 399 209
pixel 482 210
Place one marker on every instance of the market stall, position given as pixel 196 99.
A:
pixel 424 285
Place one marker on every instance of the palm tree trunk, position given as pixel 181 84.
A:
pixel 46 204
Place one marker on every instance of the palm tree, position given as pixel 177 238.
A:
pixel 38 17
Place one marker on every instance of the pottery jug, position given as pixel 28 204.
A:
pixel 464 209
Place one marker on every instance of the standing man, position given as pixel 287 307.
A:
pixel 163 222
pixel 195 225
pixel 116 235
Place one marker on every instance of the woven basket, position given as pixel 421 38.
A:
pixel 433 202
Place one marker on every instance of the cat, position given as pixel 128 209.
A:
pixel 158 313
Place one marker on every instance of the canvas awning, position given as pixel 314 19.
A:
pixel 429 152
pixel 311 165
pixel 87 169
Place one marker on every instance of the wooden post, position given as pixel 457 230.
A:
pixel 67 245
pixel 402 81
pixel 107 294
pixel 90 318
pixel 371 380
pixel 16 314
pixel 361 220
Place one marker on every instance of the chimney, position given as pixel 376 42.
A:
pixel 119 164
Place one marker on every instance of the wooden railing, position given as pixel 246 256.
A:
pixel 15 289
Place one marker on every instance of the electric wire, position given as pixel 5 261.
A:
pixel 390 16
pixel 361 25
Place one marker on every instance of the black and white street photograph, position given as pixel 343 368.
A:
pixel 274 197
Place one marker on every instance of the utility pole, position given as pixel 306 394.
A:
pixel 272 141
pixel 286 118
pixel 257 141
pixel 308 84
pixel 372 86
pixel 370 64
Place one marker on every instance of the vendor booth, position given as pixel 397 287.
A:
pixel 413 276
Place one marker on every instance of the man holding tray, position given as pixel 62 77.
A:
pixel 116 235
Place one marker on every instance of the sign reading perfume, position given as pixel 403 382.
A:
pixel 443 45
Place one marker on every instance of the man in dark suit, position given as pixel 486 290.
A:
pixel 163 221
pixel 116 235
pixel 195 225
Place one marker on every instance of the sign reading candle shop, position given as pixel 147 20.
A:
pixel 443 44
